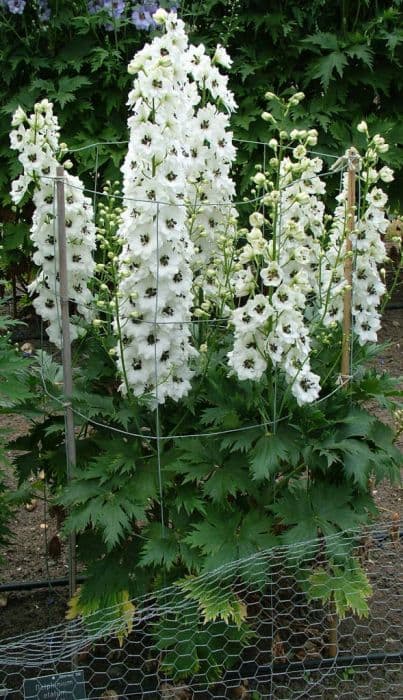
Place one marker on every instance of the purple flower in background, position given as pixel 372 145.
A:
pixel 17 7
pixel 142 16
pixel 44 11
pixel 94 6
pixel 115 9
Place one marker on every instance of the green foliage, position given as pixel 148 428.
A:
pixel 308 512
pixel 271 450
pixel 14 388
pixel 214 602
pixel 190 645
pixel 346 586
pixel 346 57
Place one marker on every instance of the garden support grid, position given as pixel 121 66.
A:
pixel 286 656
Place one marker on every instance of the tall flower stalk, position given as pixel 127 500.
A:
pixel 36 138
pixel 277 269
pixel 178 219
pixel 368 249
pixel 155 287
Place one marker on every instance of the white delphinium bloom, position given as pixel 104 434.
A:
pixel 286 267
pixel 36 137
pixel 386 174
pixel 222 57
pixel 155 288
pixel 369 253
pixel 332 277
pixel 212 218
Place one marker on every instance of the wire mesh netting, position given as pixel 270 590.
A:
pixel 274 640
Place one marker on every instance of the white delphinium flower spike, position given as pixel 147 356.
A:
pixel 212 217
pixel 368 252
pixel 155 289
pixel 36 137
pixel 275 325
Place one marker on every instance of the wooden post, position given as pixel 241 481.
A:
pixel 333 629
pixel 66 360
pixel 348 267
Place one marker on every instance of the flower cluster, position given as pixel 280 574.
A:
pixel 180 154
pixel 212 217
pixel 368 249
pixel 17 7
pixel 278 275
pixel 141 14
pixel 114 8
pixel 156 279
pixel 36 137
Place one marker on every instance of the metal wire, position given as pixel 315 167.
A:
pixel 239 203
pixel 286 655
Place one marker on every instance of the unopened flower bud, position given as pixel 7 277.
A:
pixel 259 179
pixel 160 16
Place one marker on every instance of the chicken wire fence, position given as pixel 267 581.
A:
pixel 273 641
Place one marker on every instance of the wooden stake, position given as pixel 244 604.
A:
pixel 348 268
pixel 66 360
pixel 333 629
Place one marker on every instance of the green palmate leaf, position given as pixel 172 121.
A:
pixel 113 516
pixel 214 602
pixel 324 68
pixel 309 512
pixel 255 533
pixel 104 602
pixel 393 39
pixel 347 586
pixel 188 500
pixel 355 456
pixel 381 387
pixel 363 52
pixel 215 533
pixel 94 404
pixel 241 441
pixel 270 451
pixel 218 416
pixel 227 479
pixel 357 422
pixel 110 493
pixel 161 548
pixel 324 40
pixel 225 536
